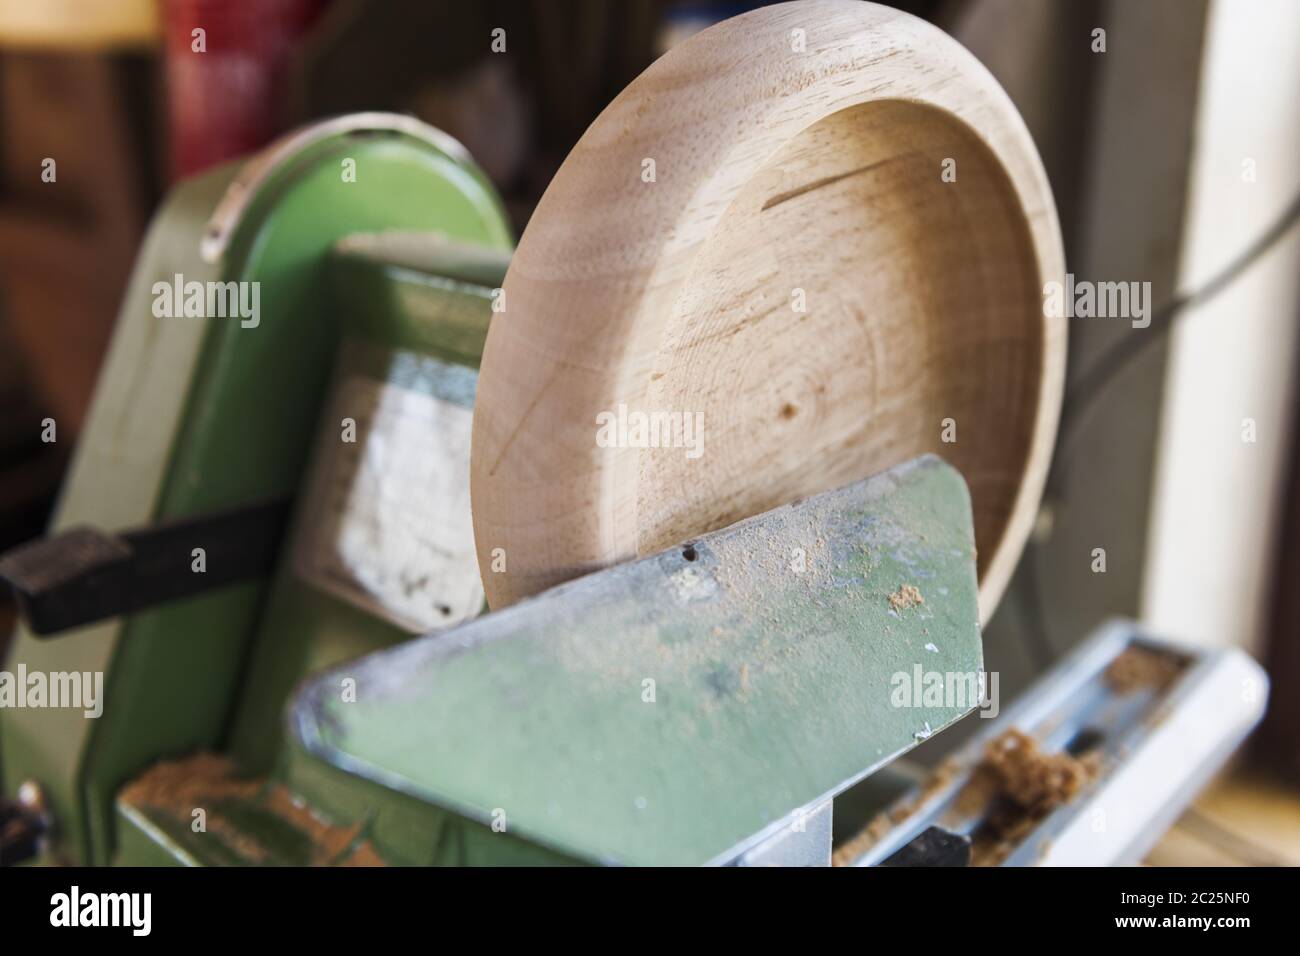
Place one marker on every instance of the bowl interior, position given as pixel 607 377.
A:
pixel 870 293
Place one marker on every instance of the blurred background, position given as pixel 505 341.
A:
pixel 1171 146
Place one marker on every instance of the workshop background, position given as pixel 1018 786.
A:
pixel 1172 155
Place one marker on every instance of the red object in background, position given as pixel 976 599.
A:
pixel 229 99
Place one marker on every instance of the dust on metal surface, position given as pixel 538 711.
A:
pixel 676 709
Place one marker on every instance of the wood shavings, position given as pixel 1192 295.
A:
pixel 1138 668
pixel 1018 785
pixel 906 596
pixel 1013 788
pixel 208 781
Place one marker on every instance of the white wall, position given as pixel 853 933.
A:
pixel 1216 498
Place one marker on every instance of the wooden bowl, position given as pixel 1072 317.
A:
pixel 759 231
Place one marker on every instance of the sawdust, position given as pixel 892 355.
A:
pixel 1139 668
pixel 748 567
pixel 1015 784
pixel 866 838
pixel 1034 780
pixel 883 822
pixel 177 787
pixel 1018 785
pixel 329 842
pixel 748 572
pixel 183 783
pixel 906 596
pixel 363 854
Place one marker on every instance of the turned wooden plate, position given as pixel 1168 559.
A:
pixel 764 228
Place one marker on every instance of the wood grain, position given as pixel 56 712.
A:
pixel 782 177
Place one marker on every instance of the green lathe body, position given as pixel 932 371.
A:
pixel 203 414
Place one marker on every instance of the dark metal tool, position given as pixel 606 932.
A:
pixel 85 575
pixel 933 846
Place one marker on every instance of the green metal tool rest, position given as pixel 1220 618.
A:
pixel 701 706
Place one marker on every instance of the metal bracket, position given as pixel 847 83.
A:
pixel 1156 718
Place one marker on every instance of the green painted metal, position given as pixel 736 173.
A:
pixel 195 415
pixel 415 310
pixel 115 480
pixel 253 829
pixel 138 843
pixel 407 831
pixel 421 292
pixel 775 652
pixel 392 299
